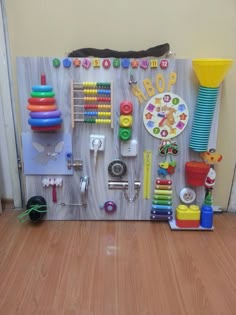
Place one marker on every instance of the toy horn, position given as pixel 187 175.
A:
pixel 210 73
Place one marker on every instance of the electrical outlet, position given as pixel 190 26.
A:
pixel 100 139
pixel 129 148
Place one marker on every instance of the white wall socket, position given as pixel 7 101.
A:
pixel 129 148
pixel 100 139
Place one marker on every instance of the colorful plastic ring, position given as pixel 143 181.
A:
pixel 52 114
pixel 42 101
pixel 42 88
pixel 110 207
pixel 51 128
pixel 44 122
pixel 126 108
pixel 41 108
pixel 42 94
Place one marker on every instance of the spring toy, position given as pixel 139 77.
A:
pixel 210 73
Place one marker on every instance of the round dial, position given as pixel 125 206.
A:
pixel 117 168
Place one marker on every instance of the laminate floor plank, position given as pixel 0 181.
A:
pixel 116 268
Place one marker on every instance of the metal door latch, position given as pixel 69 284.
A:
pixel 76 164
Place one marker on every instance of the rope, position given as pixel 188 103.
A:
pixel 24 215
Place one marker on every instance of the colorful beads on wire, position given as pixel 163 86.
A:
pixel 96 99
pixel 97 91
pixel 97 106
pixel 96 85
pixel 98 114
pixel 97 121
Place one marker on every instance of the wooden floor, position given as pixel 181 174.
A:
pixel 111 268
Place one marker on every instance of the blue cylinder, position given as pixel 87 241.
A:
pixel 206 219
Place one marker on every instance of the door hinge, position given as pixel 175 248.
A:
pixel 19 164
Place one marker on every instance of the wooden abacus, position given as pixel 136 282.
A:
pixel 91 102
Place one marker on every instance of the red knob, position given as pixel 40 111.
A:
pixel 126 108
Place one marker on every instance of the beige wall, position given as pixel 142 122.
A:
pixel 194 28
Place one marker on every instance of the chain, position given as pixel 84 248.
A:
pixel 134 197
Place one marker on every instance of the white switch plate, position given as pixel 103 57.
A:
pixel 129 148
pixel 100 138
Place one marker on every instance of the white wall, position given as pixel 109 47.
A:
pixel 194 28
pixel 232 201
pixel 5 178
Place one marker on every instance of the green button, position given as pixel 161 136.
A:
pixel 56 62
pixel 125 134
pixel 116 63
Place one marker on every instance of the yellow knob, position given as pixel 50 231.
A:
pixel 182 207
pixel 194 208
pixel 126 121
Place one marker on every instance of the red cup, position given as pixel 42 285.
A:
pixel 196 172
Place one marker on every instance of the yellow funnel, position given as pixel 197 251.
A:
pixel 211 72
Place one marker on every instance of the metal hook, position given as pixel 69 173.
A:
pixel 170 54
pixel 132 81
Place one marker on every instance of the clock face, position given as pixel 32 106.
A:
pixel 165 116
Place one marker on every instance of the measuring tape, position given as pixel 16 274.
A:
pixel 147 168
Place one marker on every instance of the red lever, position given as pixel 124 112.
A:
pixel 54 193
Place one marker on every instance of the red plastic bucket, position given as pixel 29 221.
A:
pixel 196 172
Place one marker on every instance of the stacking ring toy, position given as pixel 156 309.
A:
pixel 41 108
pixel 42 94
pixel 42 101
pixel 51 128
pixel 44 115
pixel 42 88
pixel 52 114
pixel 44 122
